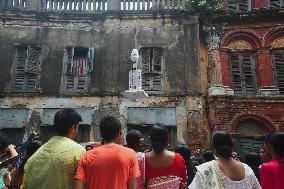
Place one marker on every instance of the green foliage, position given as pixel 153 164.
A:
pixel 204 5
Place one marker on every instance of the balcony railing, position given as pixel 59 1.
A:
pixel 92 5
pixel 10 4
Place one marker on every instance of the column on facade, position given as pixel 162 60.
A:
pixel 214 70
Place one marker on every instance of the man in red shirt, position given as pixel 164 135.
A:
pixel 110 166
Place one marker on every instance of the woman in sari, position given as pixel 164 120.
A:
pixel 164 169
pixel 226 172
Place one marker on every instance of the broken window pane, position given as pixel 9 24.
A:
pixel 151 63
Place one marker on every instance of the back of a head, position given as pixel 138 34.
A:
pixel 133 139
pixel 253 160
pixel 184 151
pixel 277 141
pixel 158 138
pixel 64 119
pixel 223 144
pixel 109 128
pixel 208 156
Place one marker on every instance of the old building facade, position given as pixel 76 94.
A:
pixel 76 54
pixel 244 45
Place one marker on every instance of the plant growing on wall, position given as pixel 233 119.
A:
pixel 204 5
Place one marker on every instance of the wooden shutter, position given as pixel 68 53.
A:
pixel 275 4
pixel 145 60
pixel 157 60
pixel 249 82
pixel 232 6
pixel 145 67
pixel 33 60
pixel 81 82
pixel 20 68
pixel 243 5
pixel 236 79
pixel 69 82
pixel 91 59
pixel 278 58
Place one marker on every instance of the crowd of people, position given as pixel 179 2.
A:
pixel 61 163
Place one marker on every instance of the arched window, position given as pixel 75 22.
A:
pixel 243 70
pixel 278 62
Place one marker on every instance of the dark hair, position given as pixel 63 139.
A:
pixel 277 142
pixel 253 160
pixel 109 128
pixel 223 144
pixel 208 156
pixel 4 142
pixel 158 138
pixel 185 152
pixel 32 147
pixel 64 119
pixel 267 137
pixel 133 139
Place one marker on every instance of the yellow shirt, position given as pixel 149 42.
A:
pixel 54 165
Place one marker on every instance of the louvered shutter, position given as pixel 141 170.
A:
pixel 243 5
pixel 32 66
pixel 275 3
pixel 157 82
pixel 236 79
pixel 69 82
pixel 278 58
pixel 248 74
pixel 157 60
pixel 20 68
pixel 91 59
pixel 81 82
pixel 146 71
pixel 232 6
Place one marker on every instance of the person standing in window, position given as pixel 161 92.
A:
pixel 164 169
pixel 272 173
pixel 226 172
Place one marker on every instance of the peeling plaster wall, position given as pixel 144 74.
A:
pixel 113 37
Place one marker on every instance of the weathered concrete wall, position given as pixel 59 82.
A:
pixel 113 36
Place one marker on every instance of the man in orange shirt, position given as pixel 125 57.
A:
pixel 110 166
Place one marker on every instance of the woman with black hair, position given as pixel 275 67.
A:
pixel 164 169
pixel 226 172
pixel 272 173
pixel 185 152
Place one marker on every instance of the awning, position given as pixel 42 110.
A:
pixel 150 116
pixel 13 117
pixel 86 114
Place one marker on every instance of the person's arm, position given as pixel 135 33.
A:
pixel 131 184
pixel 266 177
pixel 79 184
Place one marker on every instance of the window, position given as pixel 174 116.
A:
pixel 239 5
pixel 243 79
pixel 276 3
pixel 278 65
pixel 151 63
pixel 26 69
pixel 78 63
